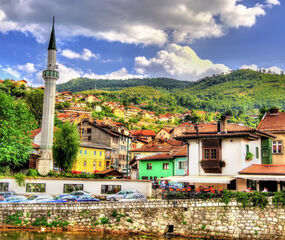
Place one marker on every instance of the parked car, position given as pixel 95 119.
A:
pixel 134 197
pixel 80 193
pixel 38 198
pixel 66 197
pixel 120 195
pixel 7 194
pixel 14 199
pixel 86 198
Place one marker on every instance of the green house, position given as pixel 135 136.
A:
pixel 163 165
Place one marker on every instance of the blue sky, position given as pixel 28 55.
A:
pixel 110 39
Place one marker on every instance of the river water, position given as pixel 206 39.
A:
pixel 27 235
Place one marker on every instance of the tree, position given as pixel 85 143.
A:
pixel 35 99
pixel 66 145
pixel 16 123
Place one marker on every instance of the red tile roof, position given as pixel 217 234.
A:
pixel 143 133
pixel 155 148
pixel 271 122
pixel 174 142
pixel 160 156
pixel 211 130
pixel 181 153
pixel 264 169
pixel 35 145
pixel 35 132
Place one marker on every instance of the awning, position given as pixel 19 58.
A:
pixel 278 178
pixel 200 179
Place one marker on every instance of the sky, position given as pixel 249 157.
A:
pixel 111 39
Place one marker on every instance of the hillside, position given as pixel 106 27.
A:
pixel 242 90
pixel 82 84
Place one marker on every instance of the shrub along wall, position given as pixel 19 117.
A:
pixel 196 218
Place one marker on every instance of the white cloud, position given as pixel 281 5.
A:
pixel 272 2
pixel 178 62
pixel 14 73
pixel 28 68
pixel 85 55
pixel 67 73
pixel 272 69
pixel 121 74
pixel 131 21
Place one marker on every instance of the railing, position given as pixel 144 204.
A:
pixel 212 166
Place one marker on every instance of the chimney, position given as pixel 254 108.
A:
pixel 224 124
pixel 219 126
pixel 273 111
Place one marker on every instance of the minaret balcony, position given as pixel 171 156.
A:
pixel 50 73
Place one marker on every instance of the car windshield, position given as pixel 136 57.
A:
pixel 32 197
pixel 131 196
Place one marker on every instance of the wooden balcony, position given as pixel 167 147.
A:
pixel 212 166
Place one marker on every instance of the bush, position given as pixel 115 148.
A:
pixel 32 173
pixel 20 178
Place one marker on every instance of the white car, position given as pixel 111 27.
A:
pixel 134 197
pixel 120 195
pixel 38 198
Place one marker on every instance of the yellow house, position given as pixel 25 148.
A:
pixel 90 159
pixel 119 112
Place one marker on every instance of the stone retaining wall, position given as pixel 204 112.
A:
pixel 196 218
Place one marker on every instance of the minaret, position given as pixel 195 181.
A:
pixel 45 162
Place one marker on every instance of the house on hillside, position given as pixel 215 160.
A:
pixel 166 117
pixel 218 152
pixel 91 98
pixel 147 135
pixel 164 133
pixel 119 112
pixel 273 122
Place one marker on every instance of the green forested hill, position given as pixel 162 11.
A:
pixel 82 84
pixel 240 90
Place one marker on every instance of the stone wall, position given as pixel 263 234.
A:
pixel 193 218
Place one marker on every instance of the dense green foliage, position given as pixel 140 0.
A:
pixel 16 123
pixel 35 100
pixel 66 146
pixel 82 84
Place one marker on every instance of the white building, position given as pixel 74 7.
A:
pixel 218 152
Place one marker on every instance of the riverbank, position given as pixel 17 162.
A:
pixel 189 218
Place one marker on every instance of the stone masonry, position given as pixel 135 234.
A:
pixel 191 218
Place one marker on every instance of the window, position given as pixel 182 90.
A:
pixel 145 178
pixel 89 138
pixel 80 151
pixel 100 164
pixel 85 152
pixel 149 166
pixel 277 147
pixel 94 152
pixel 35 187
pixel 85 163
pixel 165 166
pixel 94 165
pixel 251 184
pixel 100 153
pixel 181 165
pixel 4 186
pixel 110 189
pixel 257 152
pixel 67 188
pixel 88 130
pixel 214 153
pixel 210 154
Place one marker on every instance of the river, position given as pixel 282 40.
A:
pixel 28 235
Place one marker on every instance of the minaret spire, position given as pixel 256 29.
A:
pixel 52 45
pixel 50 75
